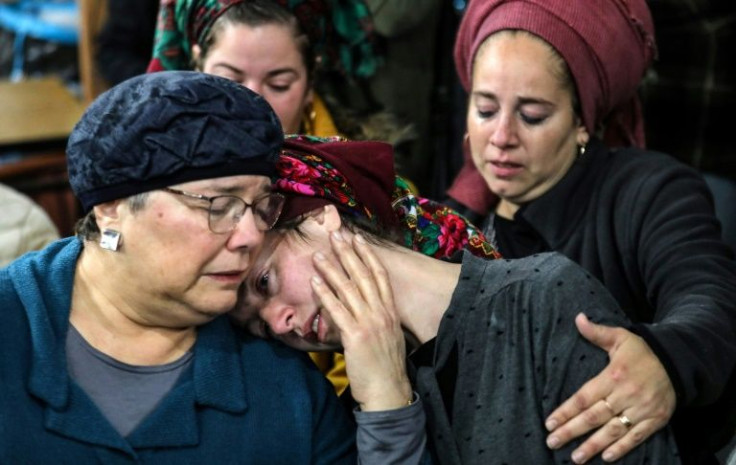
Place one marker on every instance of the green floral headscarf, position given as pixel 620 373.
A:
pixel 340 32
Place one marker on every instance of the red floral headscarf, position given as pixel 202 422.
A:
pixel 359 179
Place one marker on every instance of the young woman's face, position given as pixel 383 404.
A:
pixel 522 129
pixel 265 59
pixel 277 299
pixel 174 264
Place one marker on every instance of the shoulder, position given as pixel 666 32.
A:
pixel 294 367
pixel 632 165
pixel 549 281
pixel 535 269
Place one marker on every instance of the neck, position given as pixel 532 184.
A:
pixel 423 287
pixel 506 209
pixel 110 320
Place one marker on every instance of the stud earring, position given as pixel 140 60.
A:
pixel 110 239
pixel 581 149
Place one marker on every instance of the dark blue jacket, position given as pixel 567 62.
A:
pixel 244 400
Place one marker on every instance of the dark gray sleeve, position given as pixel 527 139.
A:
pixel 392 436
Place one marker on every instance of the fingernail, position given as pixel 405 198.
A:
pixel 360 238
pixel 318 256
pixel 316 280
pixel 608 456
pixel 552 442
pixel 550 425
pixel 337 236
pixel 578 457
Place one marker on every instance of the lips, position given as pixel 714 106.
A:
pixel 311 329
pixel 228 276
pixel 505 169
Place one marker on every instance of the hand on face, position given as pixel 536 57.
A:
pixel 362 307
pixel 634 388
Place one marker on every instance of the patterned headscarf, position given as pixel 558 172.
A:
pixel 359 179
pixel 340 32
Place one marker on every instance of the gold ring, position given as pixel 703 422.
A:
pixel 625 421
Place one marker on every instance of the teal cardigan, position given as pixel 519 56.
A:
pixel 244 400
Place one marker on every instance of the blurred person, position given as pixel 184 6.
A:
pixel 24 225
pixel 125 43
pixel 552 90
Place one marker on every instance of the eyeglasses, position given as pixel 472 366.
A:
pixel 226 210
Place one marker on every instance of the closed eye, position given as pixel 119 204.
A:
pixel 261 284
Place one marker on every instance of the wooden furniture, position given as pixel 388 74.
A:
pixel 92 15
pixel 39 110
pixel 36 118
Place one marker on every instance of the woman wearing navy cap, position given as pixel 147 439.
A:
pixel 115 343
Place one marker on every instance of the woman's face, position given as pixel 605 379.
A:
pixel 265 59
pixel 277 299
pixel 173 264
pixel 522 129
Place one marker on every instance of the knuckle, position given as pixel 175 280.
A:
pixel 638 436
pixel 591 418
pixel 580 401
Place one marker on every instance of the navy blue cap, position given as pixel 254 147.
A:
pixel 166 128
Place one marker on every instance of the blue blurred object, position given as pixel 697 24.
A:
pixel 53 21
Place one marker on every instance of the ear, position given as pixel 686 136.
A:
pixel 196 53
pixel 328 217
pixel 582 136
pixel 107 214
pixel 309 97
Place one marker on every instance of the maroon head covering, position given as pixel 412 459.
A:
pixel 607 45
pixel 359 179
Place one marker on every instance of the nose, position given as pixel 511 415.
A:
pixel 505 132
pixel 246 234
pixel 280 318
pixel 254 86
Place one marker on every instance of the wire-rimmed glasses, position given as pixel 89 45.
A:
pixel 226 210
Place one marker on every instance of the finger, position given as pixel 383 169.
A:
pixel 598 388
pixel 362 289
pixel 376 268
pixel 598 414
pixel 605 337
pixel 614 439
pixel 340 316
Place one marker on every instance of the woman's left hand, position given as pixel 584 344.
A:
pixel 358 297
pixel 631 399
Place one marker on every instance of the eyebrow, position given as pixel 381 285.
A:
pixel 279 71
pixel 522 100
pixel 270 74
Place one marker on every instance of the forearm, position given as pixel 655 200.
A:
pixel 392 436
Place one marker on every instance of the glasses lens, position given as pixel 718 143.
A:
pixel 267 210
pixel 225 212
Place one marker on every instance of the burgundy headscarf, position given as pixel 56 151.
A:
pixel 607 44
pixel 359 179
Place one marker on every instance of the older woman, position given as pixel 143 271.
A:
pixel 546 79
pixel 115 344
pixel 494 342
